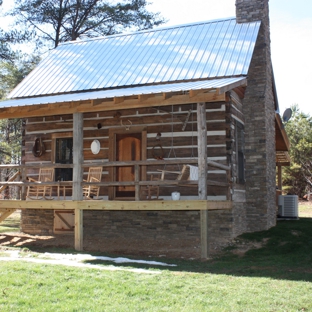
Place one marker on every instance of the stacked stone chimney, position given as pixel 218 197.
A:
pixel 259 111
pixel 252 10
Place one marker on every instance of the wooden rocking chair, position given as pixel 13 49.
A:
pixel 187 173
pixel 94 175
pixel 41 191
pixel 182 175
pixel 150 192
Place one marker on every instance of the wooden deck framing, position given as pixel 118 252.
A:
pixel 115 205
pixel 4 213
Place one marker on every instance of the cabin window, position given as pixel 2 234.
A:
pixel 63 154
pixel 240 155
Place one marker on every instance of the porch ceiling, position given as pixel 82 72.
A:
pixel 140 96
pixel 282 158
pixel 281 142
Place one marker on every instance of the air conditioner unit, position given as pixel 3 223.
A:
pixel 288 206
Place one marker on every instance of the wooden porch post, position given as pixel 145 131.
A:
pixel 24 179
pixel 279 178
pixel 78 176
pixel 202 175
pixel 136 181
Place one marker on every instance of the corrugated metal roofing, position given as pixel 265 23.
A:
pixel 153 89
pixel 203 50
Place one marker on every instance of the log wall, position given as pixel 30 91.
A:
pixel 178 128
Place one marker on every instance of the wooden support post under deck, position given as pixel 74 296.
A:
pixel 78 229
pixel 77 176
pixel 202 175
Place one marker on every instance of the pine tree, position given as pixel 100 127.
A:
pixel 57 21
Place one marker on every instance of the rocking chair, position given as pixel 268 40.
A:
pixel 150 192
pixel 182 175
pixel 94 175
pixel 41 191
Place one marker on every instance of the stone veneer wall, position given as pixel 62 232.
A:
pixel 138 224
pixel 239 219
pixel 220 229
pixel 259 112
pixel 39 222
pixel 174 233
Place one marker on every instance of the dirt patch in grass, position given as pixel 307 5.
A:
pixel 240 246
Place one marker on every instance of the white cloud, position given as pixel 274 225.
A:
pixel 291 56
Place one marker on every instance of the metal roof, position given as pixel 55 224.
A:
pixel 152 89
pixel 205 50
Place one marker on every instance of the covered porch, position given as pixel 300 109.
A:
pixel 150 113
pixel 78 204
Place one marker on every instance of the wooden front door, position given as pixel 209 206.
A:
pixel 126 146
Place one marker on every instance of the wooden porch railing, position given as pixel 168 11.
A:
pixel 11 179
pixel 137 183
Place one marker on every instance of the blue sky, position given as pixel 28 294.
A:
pixel 291 40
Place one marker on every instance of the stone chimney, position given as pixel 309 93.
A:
pixel 252 10
pixel 259 112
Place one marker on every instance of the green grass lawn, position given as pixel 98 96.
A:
pixel 305 209
pixel 32 287
pixel 275 277
pixel 12 223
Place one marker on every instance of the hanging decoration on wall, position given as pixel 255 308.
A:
pixel 38 148
pixel 126 126
pixel 95 147
pixel 158 152
pixel 186 119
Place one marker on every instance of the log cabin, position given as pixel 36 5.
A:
pixel 182 124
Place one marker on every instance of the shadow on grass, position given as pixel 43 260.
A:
pixel 287 255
